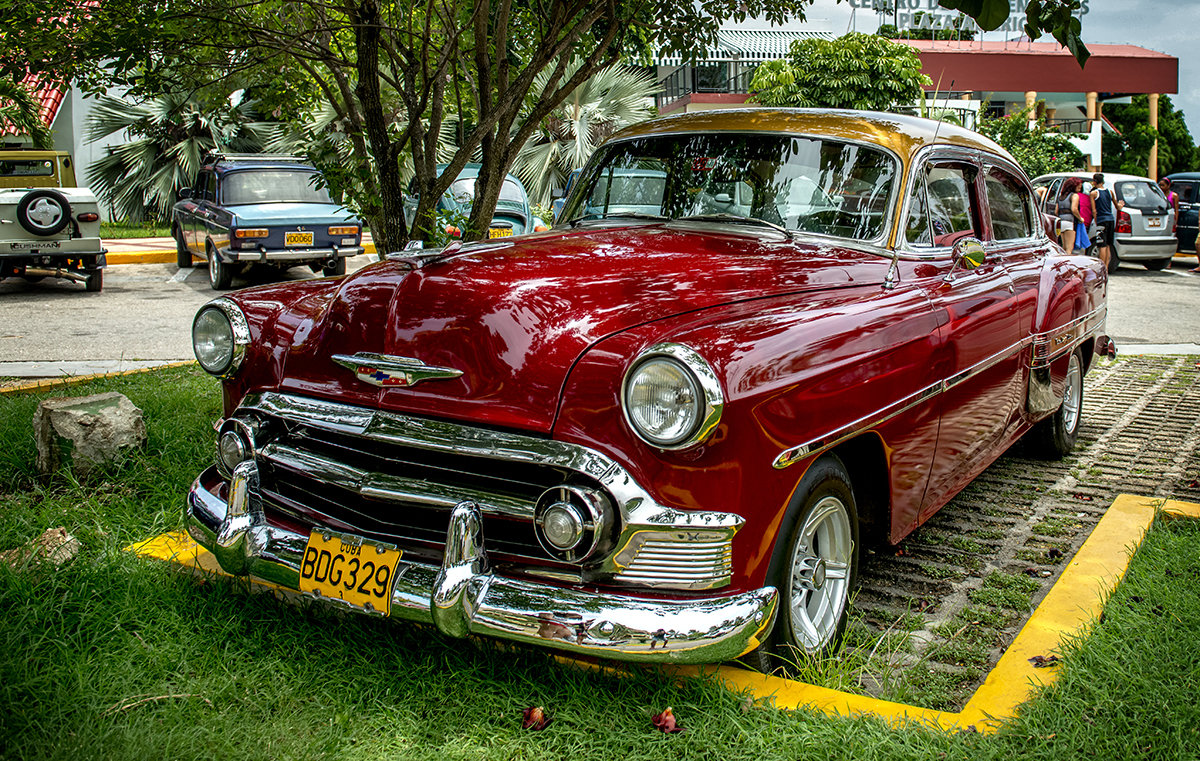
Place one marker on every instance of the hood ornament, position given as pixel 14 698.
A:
pixel 392 372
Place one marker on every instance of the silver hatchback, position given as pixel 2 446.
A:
pixel 1145 225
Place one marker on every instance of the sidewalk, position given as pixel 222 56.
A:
pixel 162 250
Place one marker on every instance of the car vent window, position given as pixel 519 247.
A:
pixel 949 200
pixel 1008 203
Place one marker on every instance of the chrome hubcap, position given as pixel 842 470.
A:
pixel 1073 395
pixel 820 574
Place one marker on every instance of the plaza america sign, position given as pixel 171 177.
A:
pixel 927 14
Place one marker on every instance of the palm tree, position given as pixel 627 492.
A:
pixel 169 137
pixel 612 99
pixel 19 112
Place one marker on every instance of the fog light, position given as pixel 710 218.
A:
pixel 562 525
pixel 232 450
pixel 572 522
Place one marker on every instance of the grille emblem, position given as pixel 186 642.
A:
pixel 392 372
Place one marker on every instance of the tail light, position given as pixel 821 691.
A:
pixel 540 228
pixel 88 216
pixel 453 231
pixel 1124 222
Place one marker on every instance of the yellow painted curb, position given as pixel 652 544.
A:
pixel 1069 608
pixel 168 257
pixel 71 380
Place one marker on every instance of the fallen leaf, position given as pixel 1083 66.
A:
pixel 1043 661
pixel 1083 497
pixel 665 721
pixel 536 719
pixel 747 704
pixel 1194 484
pixel 1054 553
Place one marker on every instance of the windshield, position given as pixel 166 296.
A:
pixel 26 168
pixel 272 186
pixel 1141 195
pixel 463 191
pixel 802 183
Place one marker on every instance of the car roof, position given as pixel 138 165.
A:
pixel 471 170
pixel 222 166
pixel 1184 176
pixel 903 134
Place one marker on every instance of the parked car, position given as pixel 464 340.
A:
pixel 655 438
pixel 48 226
pixel 513 215
pixel 1145 227
pixel 251 208
pixel 560 197
pixel 1187 185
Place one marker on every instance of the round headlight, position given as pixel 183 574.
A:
pixel 672 398
pixel 219 337
pixel 212 340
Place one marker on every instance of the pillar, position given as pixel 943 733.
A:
pixel 1092 112
pixel 1031 103
pixel 1153 168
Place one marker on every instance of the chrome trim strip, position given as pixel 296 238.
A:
pixel 464 596
pixel 635 509
pixel 794 454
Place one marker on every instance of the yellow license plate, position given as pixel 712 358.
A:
pixel 1154 221
pixel 297 239
pixel 499 232
pixel 349 568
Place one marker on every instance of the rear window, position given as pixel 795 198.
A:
pixel 27 168
pixel 272 186
pixel 1141 195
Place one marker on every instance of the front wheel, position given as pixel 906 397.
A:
pixel 814 566
pixel 1055 436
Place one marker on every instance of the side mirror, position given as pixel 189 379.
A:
pixel 968 254
pixel 184 194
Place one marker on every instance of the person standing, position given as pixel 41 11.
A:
pixel 1068 211
pixel 1106 218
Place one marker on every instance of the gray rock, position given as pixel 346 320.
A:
pixel 86 431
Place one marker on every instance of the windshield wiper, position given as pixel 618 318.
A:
pixel 620 215
pixel 736 220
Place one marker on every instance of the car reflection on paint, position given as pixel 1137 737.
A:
pixel 664 430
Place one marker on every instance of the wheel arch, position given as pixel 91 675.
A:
pixel 866 461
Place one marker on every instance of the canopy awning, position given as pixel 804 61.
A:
pixel 749 45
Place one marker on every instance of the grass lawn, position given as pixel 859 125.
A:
pixel 114 657
pixel 115 230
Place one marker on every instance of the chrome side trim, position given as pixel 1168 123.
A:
pixel 635 509
pixel 1037 362
pixel 464 596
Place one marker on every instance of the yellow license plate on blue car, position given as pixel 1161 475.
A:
pixel 357 571
pixel 298 239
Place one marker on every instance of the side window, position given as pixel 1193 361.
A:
pixel 1187 191
pixel 1009 205
pixel 917 230
pixel 1050 202
pixel 210 188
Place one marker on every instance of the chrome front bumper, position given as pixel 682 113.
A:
pixel 463 596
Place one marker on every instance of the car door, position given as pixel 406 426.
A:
pixel 1189 212
pixel 979 348
pixel 205 185
pixel 1015 242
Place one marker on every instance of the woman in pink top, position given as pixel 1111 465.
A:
pixel 1085 208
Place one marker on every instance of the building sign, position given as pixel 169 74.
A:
pixel 927 14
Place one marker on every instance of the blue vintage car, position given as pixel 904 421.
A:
pixel 513 215
pixel 267 209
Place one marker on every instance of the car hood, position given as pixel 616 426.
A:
pixel 514 316
pixel 292 214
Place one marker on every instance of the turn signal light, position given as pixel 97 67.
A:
pixel 252 232
pixel 453 231
pixel 1124 222
pixel 348 230
pixel 88 216
pixel 540 228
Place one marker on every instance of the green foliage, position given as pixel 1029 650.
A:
pixel 856 70
pixel 169 137
pixel 565 139
pixel 1129 152
pixel 19 111
pixel 1037 149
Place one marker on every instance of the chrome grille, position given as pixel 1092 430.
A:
pixel 679 559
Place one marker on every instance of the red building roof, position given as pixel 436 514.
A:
pixel 975 66
pixel 49 97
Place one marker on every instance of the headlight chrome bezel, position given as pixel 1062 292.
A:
pixel 239 329
pixel 711 401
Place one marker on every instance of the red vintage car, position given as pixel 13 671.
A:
pixel 664 430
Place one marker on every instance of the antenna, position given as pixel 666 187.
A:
pixel 940 113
